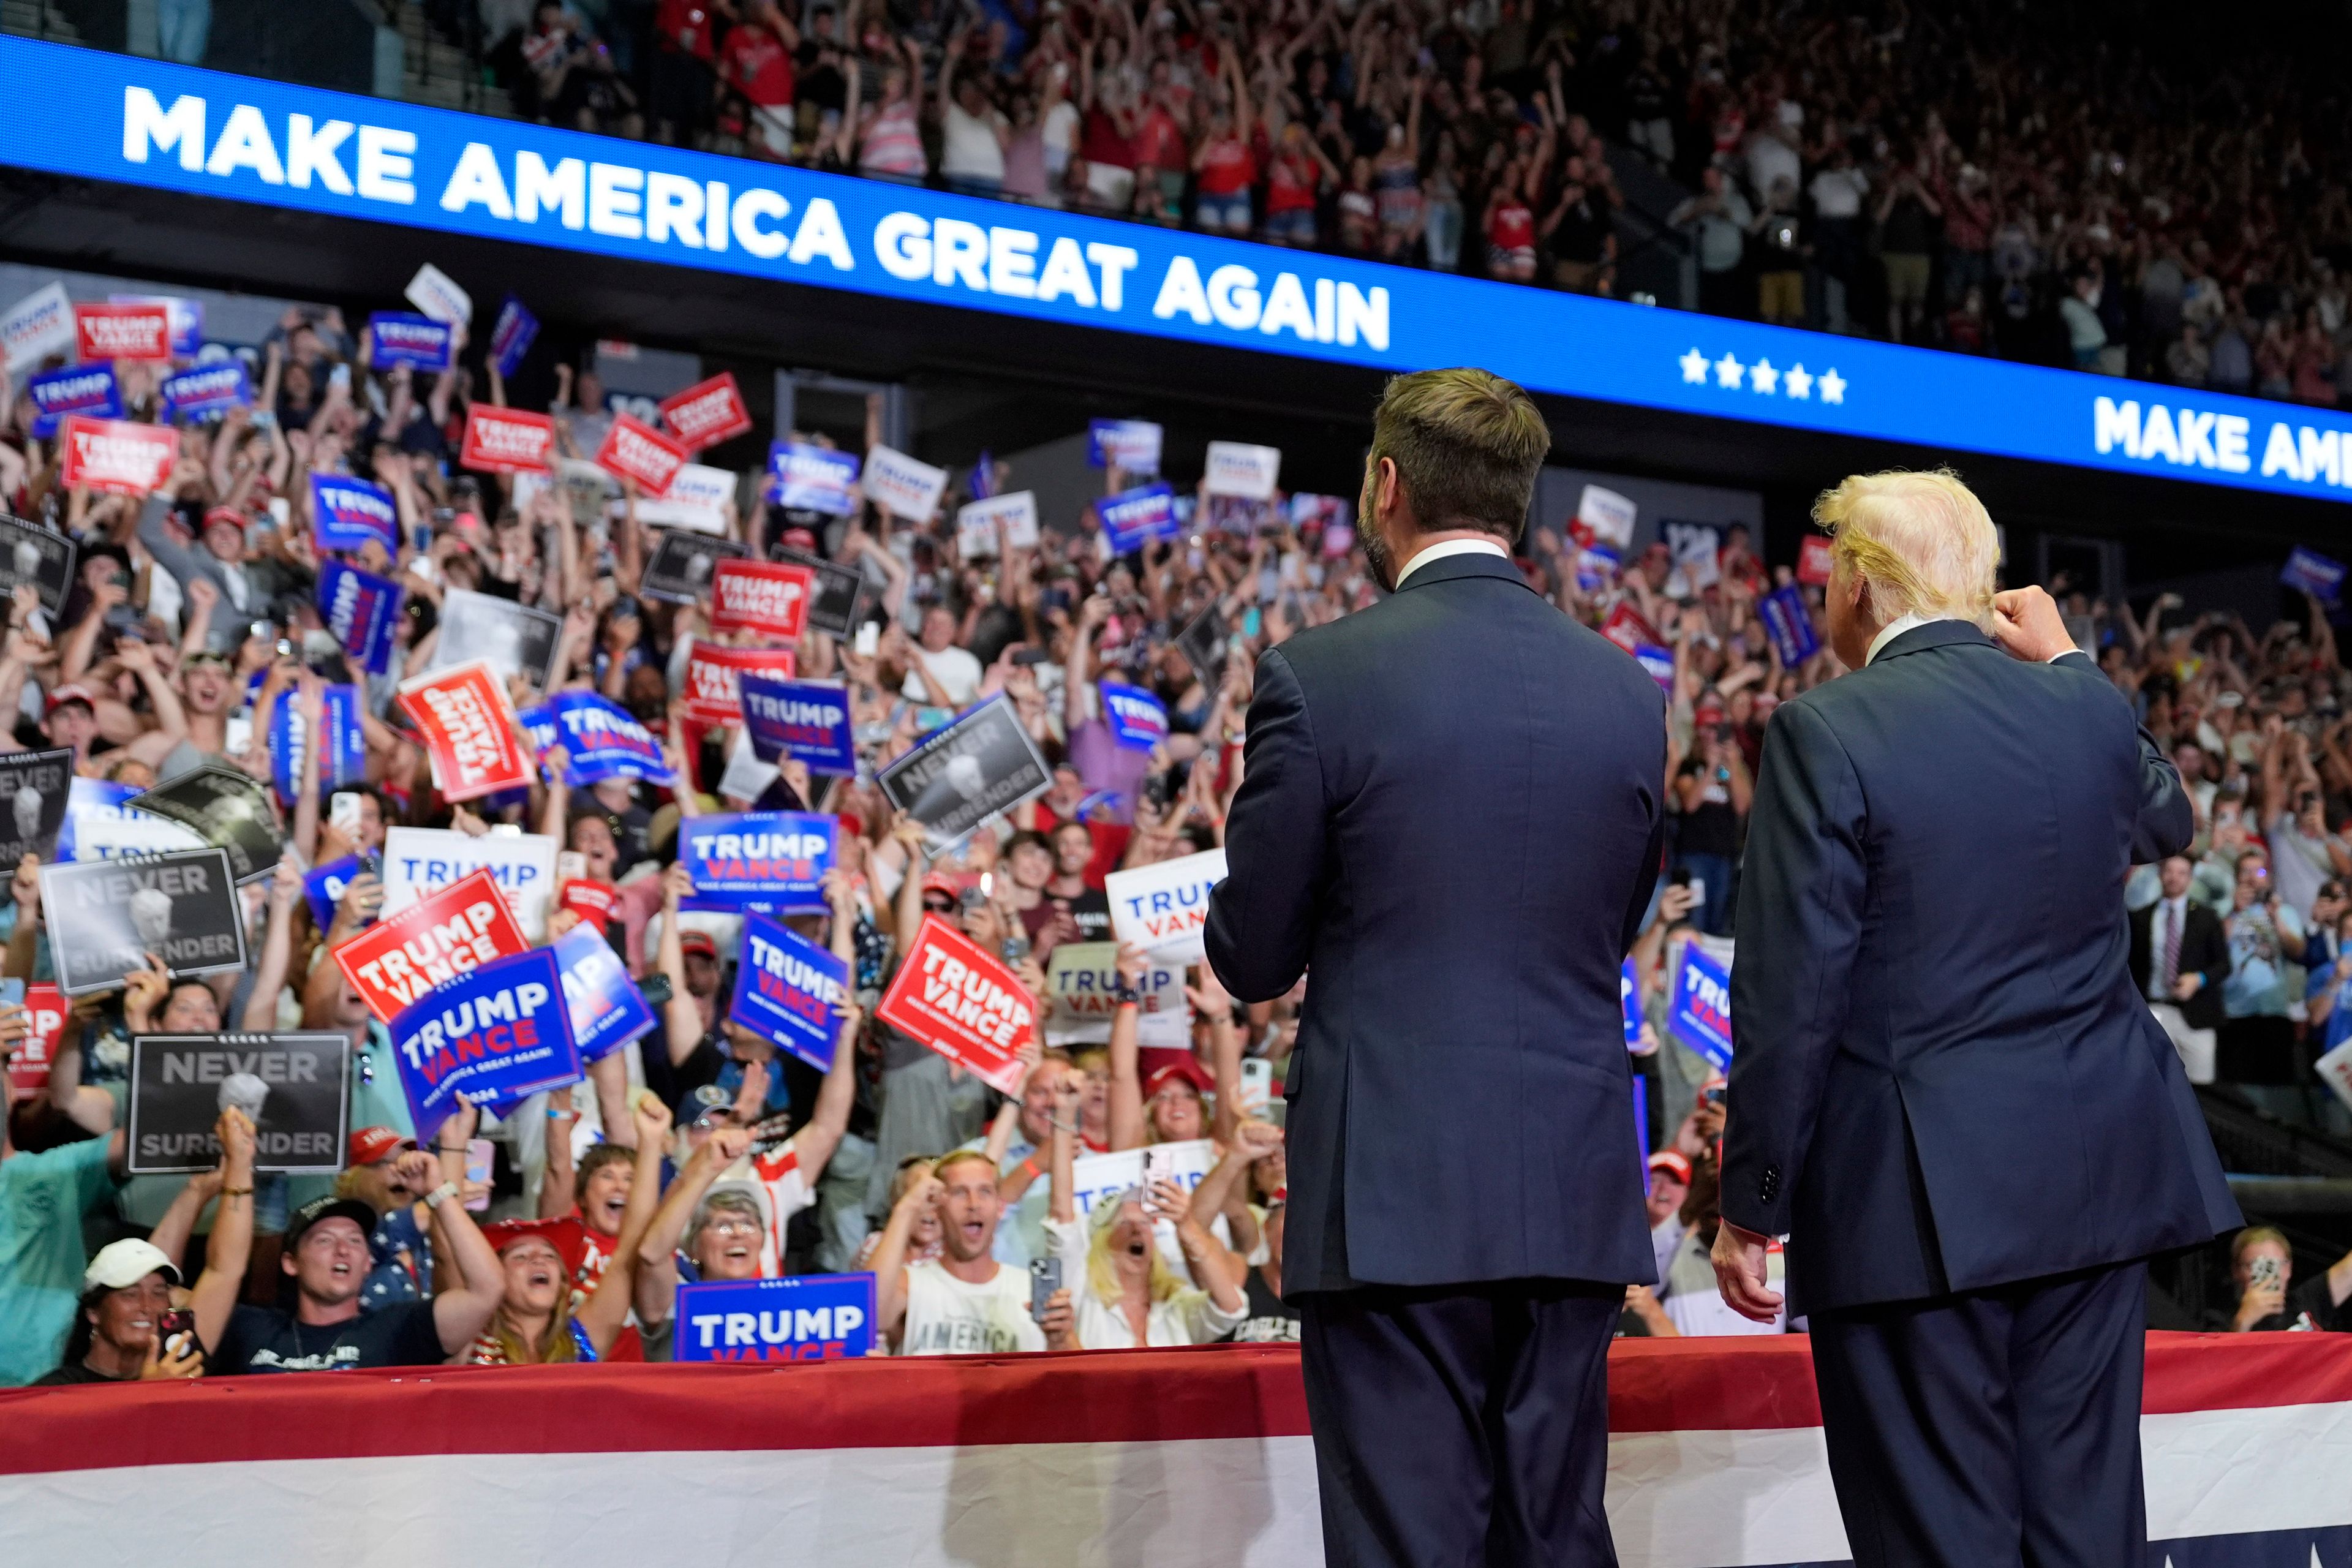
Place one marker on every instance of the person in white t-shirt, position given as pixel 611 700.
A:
pixel 1692 1301
pixel 963 1302
pixel 974 131
pixel 940 672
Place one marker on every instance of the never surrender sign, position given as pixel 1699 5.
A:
pixel 804 718
pixel 683 564
pixel 468 727
pixel 38 557
pixel 1165 908
pixel 106 916
pixel 176 1095
pixel 761 597
pixel 498 1035
pixel 982 763
pixel 455 931
pixel 832 602
pixel 766 861
pixel 953 997
pixel 224 806
pixel 786 988
pixel 35 787
pixel 511 639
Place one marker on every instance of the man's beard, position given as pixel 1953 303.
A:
pixel 1378 557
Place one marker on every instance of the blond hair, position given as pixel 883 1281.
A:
pixel 1921 543
pixel 1467 444
pixel 1102 1263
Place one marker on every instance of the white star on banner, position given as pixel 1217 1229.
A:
pixel 1797 381
pixel 1763 378
pixel 1727 371
pixel 1694 368
pixel 1833 385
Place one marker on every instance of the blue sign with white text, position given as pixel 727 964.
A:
pixel 1137 720
pixel 603 740
pixel 346 513
pixel 804 478
pixel 1790 625
pixel 1629 996
pixel 207 391
pixel 1699 1007
pixel 345 756
pixel 1133 518
pixel 363 611
pixel 397 338
pixel 2314 574
pixel 117 117
pixel 89 390
pixel 810 1317
pixel 786 988
pixel 325 888
pixel 771 861
pixel 804 718
pixel 511 337
pixel 1659 662
pixel 606 1009
pixel 496 1034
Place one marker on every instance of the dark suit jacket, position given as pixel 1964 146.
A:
pixel 2204 948
pixel 1945 1077
pixel 1451 820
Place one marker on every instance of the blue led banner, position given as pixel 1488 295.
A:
pixel 115 117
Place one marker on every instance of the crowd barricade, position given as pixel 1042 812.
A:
pixel 1171 1458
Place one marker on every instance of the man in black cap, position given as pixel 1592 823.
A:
pixel 326 1260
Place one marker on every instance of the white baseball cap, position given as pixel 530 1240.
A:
pixel 124 1263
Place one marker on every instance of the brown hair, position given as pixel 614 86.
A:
pixel 598 1156
pixel 1467 444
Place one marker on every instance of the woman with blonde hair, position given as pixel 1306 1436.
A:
pixel 1123 1292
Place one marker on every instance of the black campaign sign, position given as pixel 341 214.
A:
pixel 221 806
pixel 180 1082
pixel 683 564
pixel 962 776
pixel 30 553
pixel 833 608
pixel 106 916
pixel 511 637
pixel 33 786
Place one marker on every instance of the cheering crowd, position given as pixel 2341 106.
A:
pixel 1931 176
pixel 565 1226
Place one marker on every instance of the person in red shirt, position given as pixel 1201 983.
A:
pixel 756 64
pixel 1159 154
pixel 1510 228
pixel 685 42
pixel 1297 171
pixel 1225 168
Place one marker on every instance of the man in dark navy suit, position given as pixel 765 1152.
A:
pixel 1949 1093
pixel 1449 820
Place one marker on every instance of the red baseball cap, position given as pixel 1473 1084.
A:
pixel 1673 1164
pixel 700 941
pixel 369 1144
pixel 69 692
pixel 1182 1070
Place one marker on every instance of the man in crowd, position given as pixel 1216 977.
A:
pixel 964 1301
pixel 2179 958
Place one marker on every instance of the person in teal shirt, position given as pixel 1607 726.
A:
pixel 43 1198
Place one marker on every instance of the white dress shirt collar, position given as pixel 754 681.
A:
pixel 1445 548
pixel 1892 629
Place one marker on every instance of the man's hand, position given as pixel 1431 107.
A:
pixel 2259 1301
pixel 1738 1259
pixel 2187 985
pixel 1057 1321
pixel 2027 624
pixel 1254 1140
